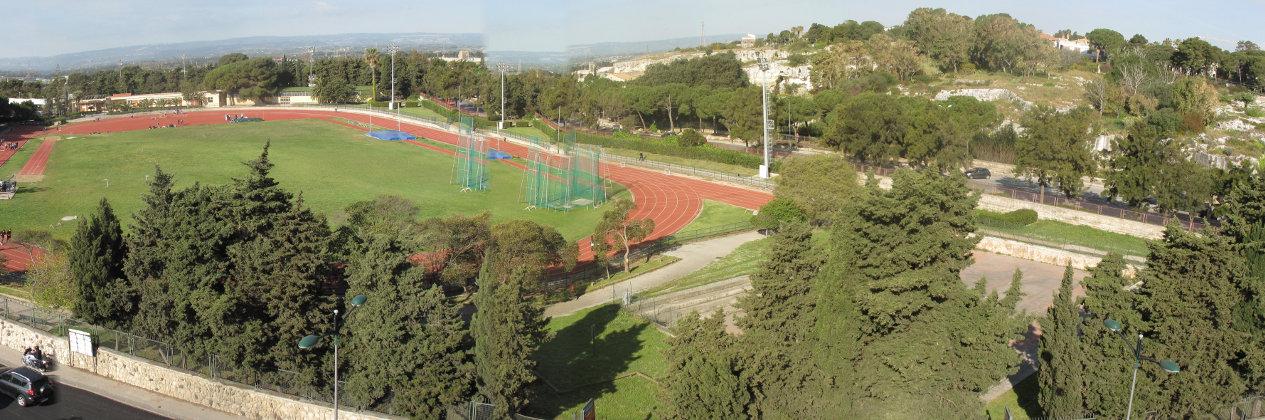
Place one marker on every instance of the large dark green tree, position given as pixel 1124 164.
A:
pixel 420 358
pixel 705 377
pixel 1055 149
pixel 779 325
pixel 97 253
pixel 1190 290
pixel 507 329
pixel 1105 358
pixel 1060 376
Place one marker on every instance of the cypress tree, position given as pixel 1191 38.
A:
pixel 1109 360
pixel 918 347
pixel 705 378
pixel 1059 378
pixel 97 253
pixel 778 325
pixel 507 330
pixel 1190 289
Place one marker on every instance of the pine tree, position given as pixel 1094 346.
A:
pixel 1190 289
pixel 1060 377
pixel 778 325
pixel 704 377
pixel 507 330
pixel 97 253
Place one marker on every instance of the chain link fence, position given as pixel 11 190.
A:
pixel 1188 222
pixel 290 383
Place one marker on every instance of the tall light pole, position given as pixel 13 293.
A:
pixel 311 341
pixel 503 68
pixel 764 122
pixel 392 48
pixel 1167 365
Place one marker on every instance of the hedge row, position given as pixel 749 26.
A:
pixel 668 147
pixel 1015 219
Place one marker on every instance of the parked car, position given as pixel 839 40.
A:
pixel 978 173
pixel 26 386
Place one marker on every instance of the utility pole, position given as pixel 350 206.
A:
pixel 764 96
pixel 392 48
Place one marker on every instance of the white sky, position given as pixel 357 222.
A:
pixel 51 27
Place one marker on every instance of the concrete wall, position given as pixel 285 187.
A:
pixel 227 397
pixel 1043 254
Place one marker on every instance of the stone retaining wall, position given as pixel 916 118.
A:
pixel 227 397
pixel 1043 254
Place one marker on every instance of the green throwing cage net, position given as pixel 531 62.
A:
pixel 470 163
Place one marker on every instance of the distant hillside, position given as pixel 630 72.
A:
pixel 201 51
pixel 613 50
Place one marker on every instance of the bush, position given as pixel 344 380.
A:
pixel 772 215
pixel 1015 219
pixel 411 104
pixel 691 138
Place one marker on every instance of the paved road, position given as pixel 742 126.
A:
pixel 85 396
pixel 69 402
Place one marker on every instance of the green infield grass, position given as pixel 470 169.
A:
pixel 332 166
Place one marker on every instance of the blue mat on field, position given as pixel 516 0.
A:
pixel 497 154
pixel 390 135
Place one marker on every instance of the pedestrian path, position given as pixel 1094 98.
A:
pixel 693 257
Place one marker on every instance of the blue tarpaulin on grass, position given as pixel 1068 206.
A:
pixel 391 135
pixel 497 154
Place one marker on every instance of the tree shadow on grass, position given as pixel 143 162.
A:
pixel 584 358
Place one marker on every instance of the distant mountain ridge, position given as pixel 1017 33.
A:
pixel 202 51
pixel 338 44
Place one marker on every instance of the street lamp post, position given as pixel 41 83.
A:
pixel 764 122
pixel 1167 365
pixel 392 48
pixel 503 68
pixel 311 341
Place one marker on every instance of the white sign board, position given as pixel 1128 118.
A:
pixel 80 342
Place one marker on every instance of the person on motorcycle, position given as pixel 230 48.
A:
pixel 28 356
pixel 39 355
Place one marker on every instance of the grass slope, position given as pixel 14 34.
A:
pixel 586 368
pixel 715 214
pixel 332 166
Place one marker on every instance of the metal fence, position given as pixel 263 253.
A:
pixel 471 410
pixel 285 382
pixel 1188 222
pixel 693 171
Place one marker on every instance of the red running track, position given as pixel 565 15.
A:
pixel 671 201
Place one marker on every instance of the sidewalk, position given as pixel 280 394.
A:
pixel 693 257
pixel 121 392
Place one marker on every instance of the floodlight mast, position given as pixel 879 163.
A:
pixel 764 123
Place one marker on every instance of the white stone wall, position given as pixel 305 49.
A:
pixel 1045 255
pixel 227 397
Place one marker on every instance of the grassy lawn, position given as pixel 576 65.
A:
pixel 331 165
pixel 1022 400
pixel 716 213
pixel 1064 233
pixel 574 362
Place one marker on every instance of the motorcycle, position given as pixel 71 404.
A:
pixel 42 365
